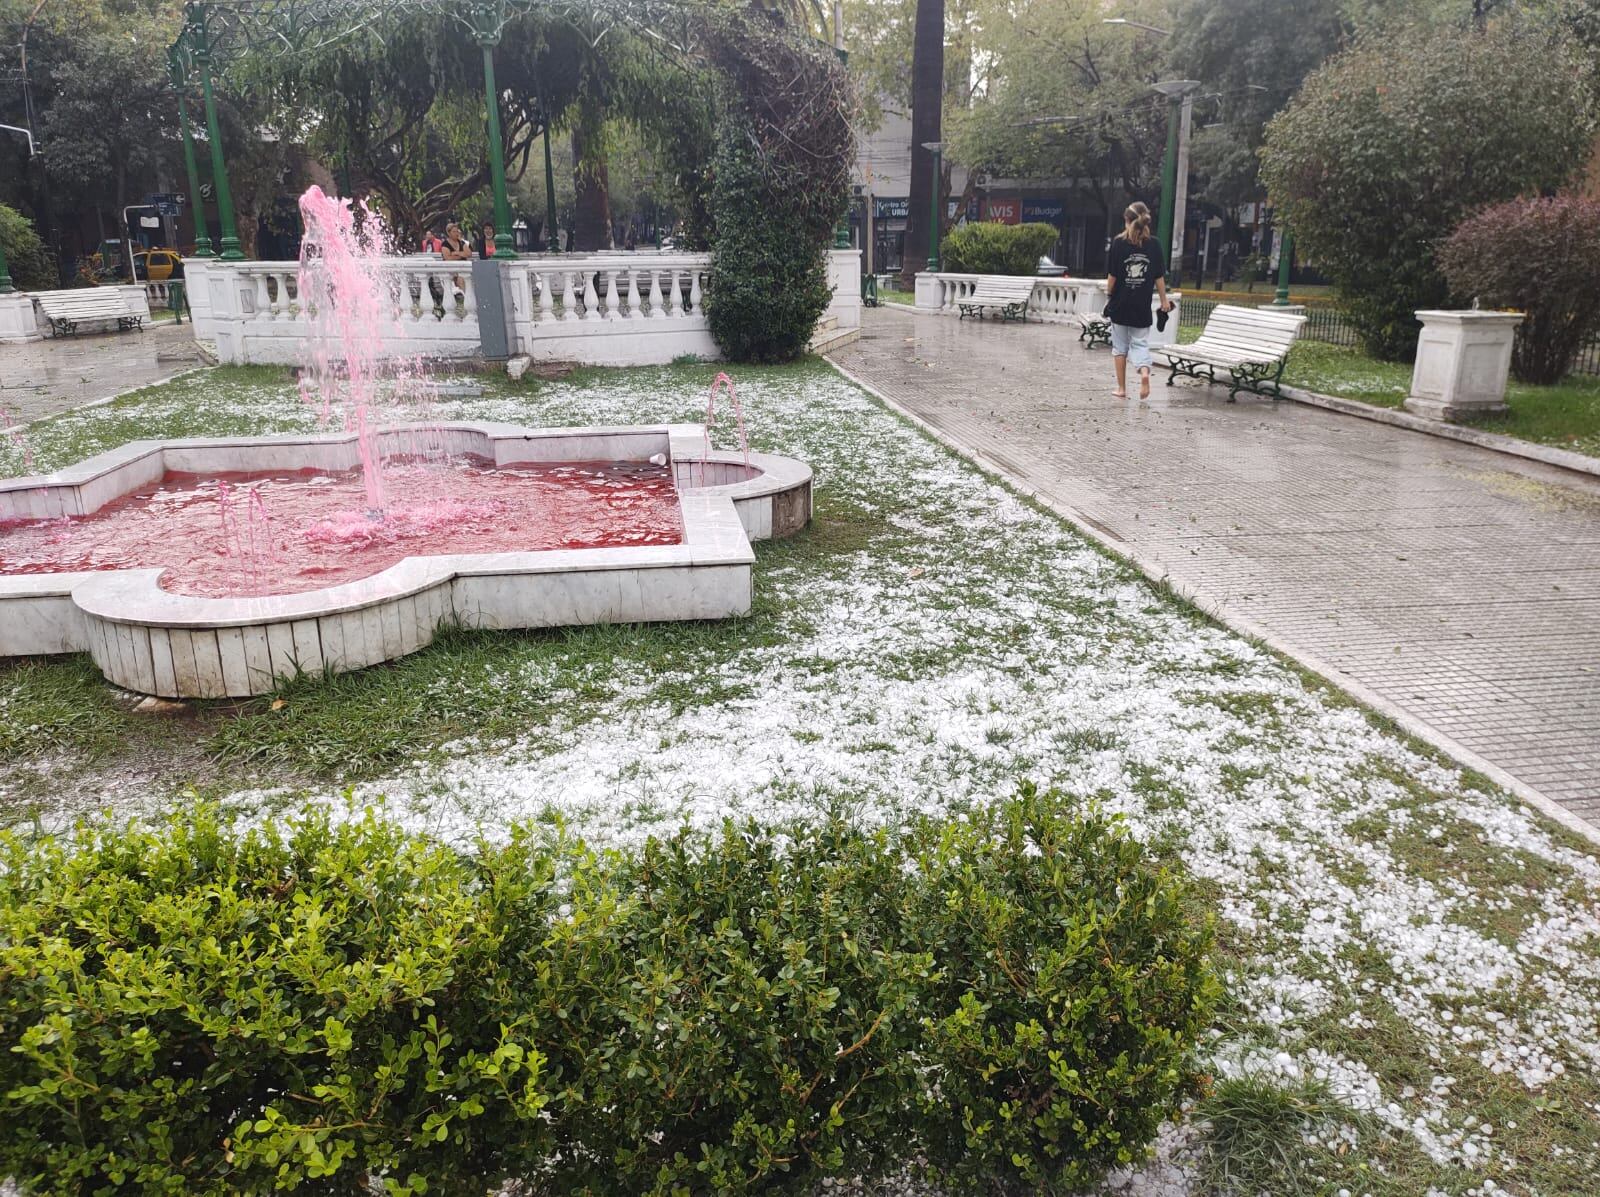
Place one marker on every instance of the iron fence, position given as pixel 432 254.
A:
pixel 1329 324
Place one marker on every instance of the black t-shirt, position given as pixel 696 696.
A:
pixel 1135 269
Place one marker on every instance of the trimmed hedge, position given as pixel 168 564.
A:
pixel 202 1009
pixel 992 248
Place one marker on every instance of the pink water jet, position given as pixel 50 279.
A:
pixel 723 382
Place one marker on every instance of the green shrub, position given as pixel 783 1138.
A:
pixel 1540 256
pixel 200 1009
pixel 26 257
pixel 990 248
pixel 769 271
pixel 780 181
pixel 1072 987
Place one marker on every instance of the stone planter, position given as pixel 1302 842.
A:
pixel 18 322
pixel 1463 361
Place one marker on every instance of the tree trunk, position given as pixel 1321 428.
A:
pixel 927 99
pixel 591 223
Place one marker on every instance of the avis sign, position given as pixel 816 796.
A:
pixel 1003 211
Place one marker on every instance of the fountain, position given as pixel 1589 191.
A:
pixel 217 567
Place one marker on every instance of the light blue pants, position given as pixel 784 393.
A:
pixel 1131 343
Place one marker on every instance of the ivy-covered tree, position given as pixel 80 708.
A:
pixel 1389 144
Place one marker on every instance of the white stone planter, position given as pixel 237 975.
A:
pixel 1463 361
pixel 18 323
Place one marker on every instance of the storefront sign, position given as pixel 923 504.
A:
pixel 1004 211
pixel 1047 211
pixel 890 209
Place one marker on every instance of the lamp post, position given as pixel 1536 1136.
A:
pixel 195 33
pixel 487 22
pixel 178 65
pixel 5 273
pixel 936 148
pixel 1178 93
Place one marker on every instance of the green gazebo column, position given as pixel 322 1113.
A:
pixel 5 273
pixel 487 19
pixel 196 31
pixel 1285 259
pixel 180 78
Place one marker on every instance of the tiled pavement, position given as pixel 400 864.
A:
pixel 45 377
pixel 1456 584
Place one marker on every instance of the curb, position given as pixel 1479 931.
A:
pixel 1563 459
pixel 1231 617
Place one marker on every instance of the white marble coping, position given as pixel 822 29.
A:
pixel 1468 316
pixel 713 535
pixel 770 474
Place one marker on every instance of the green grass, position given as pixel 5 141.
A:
pixel 905 298
pixel 1566 415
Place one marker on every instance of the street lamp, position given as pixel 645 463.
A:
pixel 1174 167
pixel 936 148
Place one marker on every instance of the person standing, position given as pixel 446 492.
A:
pixel 1134 272
pixel 456 249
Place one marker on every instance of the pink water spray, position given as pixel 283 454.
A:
pixel 723 382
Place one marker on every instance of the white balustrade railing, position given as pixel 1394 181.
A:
pixel 1054 301
pixel 601 309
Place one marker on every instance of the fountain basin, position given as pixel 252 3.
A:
pixel 153 641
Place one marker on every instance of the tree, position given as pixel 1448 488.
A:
pixel 1391 142
pixel 927 108
pixel 1252 56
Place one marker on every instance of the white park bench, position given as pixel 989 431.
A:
pixel 1008 296
pixel 66 310
pixel 1251 344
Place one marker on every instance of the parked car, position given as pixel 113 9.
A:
pixel 156 265
pixel 1048 269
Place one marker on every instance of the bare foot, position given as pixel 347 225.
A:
pixel 1119 394
pixel 1144 384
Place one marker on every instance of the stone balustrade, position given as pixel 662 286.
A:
pixel 610 309
pixel 640 308
pixel 1055 300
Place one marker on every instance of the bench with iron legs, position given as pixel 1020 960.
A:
pixel 1008 296
pixel 67 310
pixel 1096 330
pixel 1251 344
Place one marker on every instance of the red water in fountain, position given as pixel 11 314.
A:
pixel 283 533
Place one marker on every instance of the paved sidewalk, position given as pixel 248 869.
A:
pixel 1460 585
pixel 44 378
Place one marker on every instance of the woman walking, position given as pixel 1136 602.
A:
pixel 1134 270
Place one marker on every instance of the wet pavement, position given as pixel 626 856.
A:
pixel 1456 586
pixel 44 378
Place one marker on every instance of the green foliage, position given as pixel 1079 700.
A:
pixel 991 248
pixel 769 273
pixel 1071 985
pixel 26 257
pixel 202 1009
pixel 1387 146
pixel 780 181
pixel 1541 257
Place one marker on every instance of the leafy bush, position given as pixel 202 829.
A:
pixel 1541 257
pixel 780 181
pixel 1070 986
pixel 769 272
pixel 201 1009
pixel 988 247
pixel 1387 146
pixel 26 257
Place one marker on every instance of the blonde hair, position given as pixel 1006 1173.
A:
pixel 1136 222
